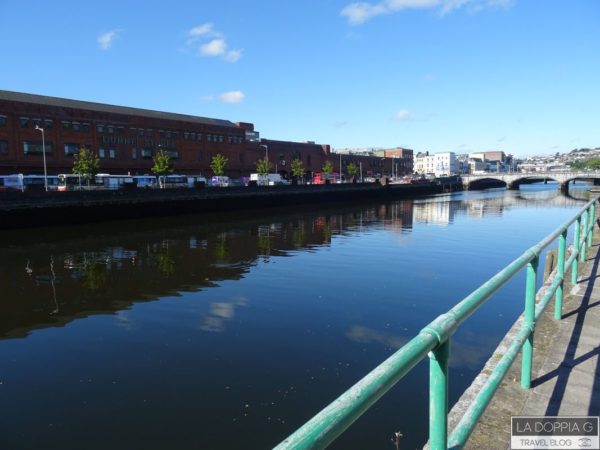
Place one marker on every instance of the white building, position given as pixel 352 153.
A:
pixel 438 164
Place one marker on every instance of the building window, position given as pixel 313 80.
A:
pixel 71 149
pixel 24 122
pixel 76 126
pixel 221 138
pixel 36 148
pixel 112 153
pixel 37 123
pixel 100 128
pixel 85 127
pixel 110 129
pixel 161 133
pixel 134 153
pixel 146 153
pixel 101 153
pixel 120 130
pixel 48 124
pixel 3 148
pixel 3 120
pixel 173 154
pixel 66 125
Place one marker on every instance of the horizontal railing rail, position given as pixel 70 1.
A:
pixel 434 341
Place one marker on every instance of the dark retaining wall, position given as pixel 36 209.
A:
pixel 33 209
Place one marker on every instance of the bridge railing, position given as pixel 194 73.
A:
pixel 435 341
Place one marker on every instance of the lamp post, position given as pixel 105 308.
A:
pixel 266 151
pixel 37 127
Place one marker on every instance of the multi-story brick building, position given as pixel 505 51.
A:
pixel 126 139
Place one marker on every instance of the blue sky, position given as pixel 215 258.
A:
pixel 521 76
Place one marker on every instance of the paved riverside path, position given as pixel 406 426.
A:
pixel 566 366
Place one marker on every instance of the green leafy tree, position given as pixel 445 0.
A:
pixel 162 165
pixel 218 164
pixel 86 163
pixel 263 167
pixel 297 168
pixel 328 167
pixel 353 169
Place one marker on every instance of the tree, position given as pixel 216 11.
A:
pixel 263 167
pixel 162 165
pixel 353 169
pixel 328 167
pixel 218 164
pixel 86 163
pixel 297 168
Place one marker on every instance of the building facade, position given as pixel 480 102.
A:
pixel 126 139
pixel 437 164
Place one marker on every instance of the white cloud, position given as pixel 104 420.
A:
pixel 232 55
pixel 232 97
pixel 360 12
pixel 106 40
pixel 213 43
pixel 216 47
pixel 205 29
pixel 404 115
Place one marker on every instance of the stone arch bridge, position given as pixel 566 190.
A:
pixel 515 179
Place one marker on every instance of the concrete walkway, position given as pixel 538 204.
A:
pixel 568 383
pixel 566 365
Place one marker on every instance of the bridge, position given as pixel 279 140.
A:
pixel 514 179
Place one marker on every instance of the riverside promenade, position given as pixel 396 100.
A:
pixel 566 365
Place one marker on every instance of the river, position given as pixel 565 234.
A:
pixel 229 331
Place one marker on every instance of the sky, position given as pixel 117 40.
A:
pixel 522 76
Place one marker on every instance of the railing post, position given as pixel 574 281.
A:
pixel 560 272
pixel 591 225
pixel 583 236
pixel 529 322
pixel 438 396
pixel 575 265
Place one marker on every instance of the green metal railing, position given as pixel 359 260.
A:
pixel 434 341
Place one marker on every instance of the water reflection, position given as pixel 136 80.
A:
pixel 229 331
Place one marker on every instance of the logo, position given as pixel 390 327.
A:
pixel 554 433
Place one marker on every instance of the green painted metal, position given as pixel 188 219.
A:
pixel 591 221
pixel 438 396
pixel 577 247
pixel 434 340
pixel 529 322
pixel 583 236
pixel 560 272
pixel 466 424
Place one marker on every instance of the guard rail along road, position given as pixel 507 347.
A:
pixel 434 341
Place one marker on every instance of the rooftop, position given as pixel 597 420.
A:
pixel 113 109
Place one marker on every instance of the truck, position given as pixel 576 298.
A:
pixel 270 179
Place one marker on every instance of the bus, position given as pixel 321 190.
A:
pixel 20 182
pixel 113 182
pixel 145 181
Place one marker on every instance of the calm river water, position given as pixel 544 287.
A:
pixel 230 331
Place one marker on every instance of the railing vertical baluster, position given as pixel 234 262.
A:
pixel 530 288
pixel 575 266
pixel 583 236
pixel 438 396
pixel 560 272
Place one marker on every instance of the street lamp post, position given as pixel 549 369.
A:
pixel 37 127
pixel 266 151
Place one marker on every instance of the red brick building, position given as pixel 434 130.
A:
pixel 126 139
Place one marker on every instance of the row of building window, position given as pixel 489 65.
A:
pixel 85 127
pixel 71 149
